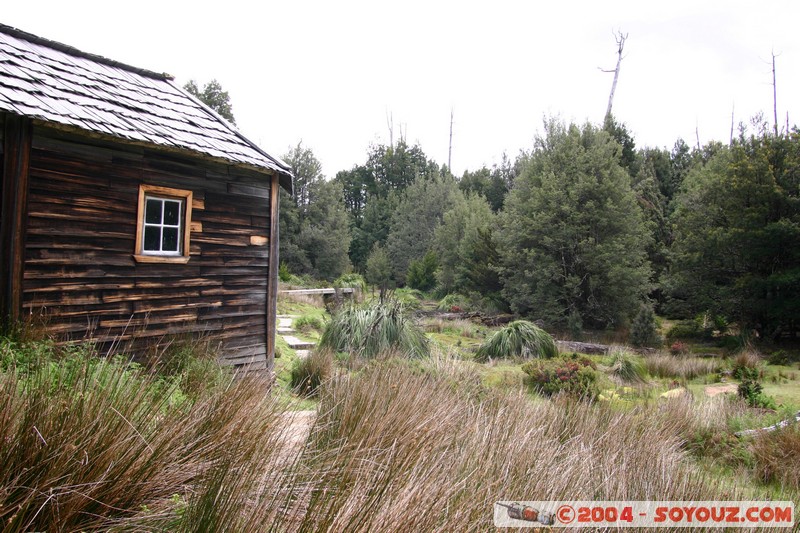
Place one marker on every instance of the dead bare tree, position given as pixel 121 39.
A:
pixel 450 147
pixel 774 95
pixel 620 38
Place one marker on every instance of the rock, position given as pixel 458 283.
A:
pixel 676 393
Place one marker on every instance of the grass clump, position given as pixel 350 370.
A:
pixel 369 330
pixel 95 444
pixel 309 323
pixel 309 373
pixel 682 368
pixel 776 456
pixel 518 339
pixel 627 367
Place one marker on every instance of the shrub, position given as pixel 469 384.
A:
pixel 750 390
pixel 686 329
pixel 644 331
pixel 309 373
pixel 284 274
pixel 371 329
pixel 518 339
pixel 627 367
pixel 574 376
pixel 351 280
pixel 307 323
pixel 452 301
pixel 422 272
pixel 746 366
pixel 678 348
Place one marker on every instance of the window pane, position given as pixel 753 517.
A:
pixel 169 242
pixel 152 211
pixel 172 212
pixel 152 238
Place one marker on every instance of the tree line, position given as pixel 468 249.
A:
pixel 584 229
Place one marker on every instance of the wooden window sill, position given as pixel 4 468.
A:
pixel 139 258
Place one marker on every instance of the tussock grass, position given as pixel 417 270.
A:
pixel 518 339
pixel 309 373
pixel 95 444
pixel 369 330
pixel 394 447
pixel 676 367
pixel 627 366
pixel 777 456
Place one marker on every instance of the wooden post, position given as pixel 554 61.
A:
pixel 14 214
pixel 272 280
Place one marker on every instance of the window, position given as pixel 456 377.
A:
pixel 163 227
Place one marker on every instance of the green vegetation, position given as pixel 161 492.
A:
pixel 518 339
pixel 627 367
pixel 574 376
pixel 369 330
pixel 309 373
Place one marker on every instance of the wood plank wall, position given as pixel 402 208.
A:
pixel 80 275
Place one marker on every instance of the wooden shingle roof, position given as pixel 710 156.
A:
pixel 56 83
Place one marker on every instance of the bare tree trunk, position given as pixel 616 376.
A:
pixel 450 148
pixel 733 110
pixel 620 39
pixel 774 95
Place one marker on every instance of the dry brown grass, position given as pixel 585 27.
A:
pixel 777 457
pixel 395 447
pixel 664 365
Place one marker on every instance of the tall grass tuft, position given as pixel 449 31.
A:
pixel 627 366
pixel 369 330
pixel 518 339
pixel 309 373
pixel 94 444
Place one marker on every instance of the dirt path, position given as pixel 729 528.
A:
pixel 722 388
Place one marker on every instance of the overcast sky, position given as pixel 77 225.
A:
pixel 330 72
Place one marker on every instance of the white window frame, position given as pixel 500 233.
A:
pixel 184 228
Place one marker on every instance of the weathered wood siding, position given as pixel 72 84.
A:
pixel 79 268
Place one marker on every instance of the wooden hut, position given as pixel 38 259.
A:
pixel 131 212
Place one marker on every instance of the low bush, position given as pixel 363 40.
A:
pixel 750 390
pixel 353 280
pixel 518 339
pixel 309 373
pixel 454 303
pixel 369 330
pixel 747 365
pixel 309 323
pixel 575 376
pixel 686 330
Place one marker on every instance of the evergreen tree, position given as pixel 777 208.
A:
pixel 379 269
pixel 572 237
pixel 325 232
pixel 737 234
pixel 415 219
pixel 214 97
